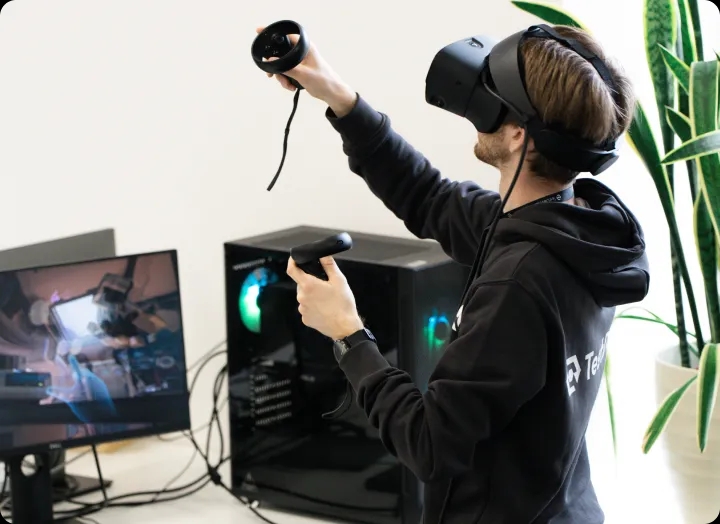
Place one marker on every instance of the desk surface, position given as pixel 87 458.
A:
pixel 149 464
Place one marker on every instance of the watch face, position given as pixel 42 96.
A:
pixel 340 347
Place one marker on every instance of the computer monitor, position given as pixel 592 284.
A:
pixel 90 352
pixel 92 245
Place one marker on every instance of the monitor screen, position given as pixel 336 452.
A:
pixel 91 352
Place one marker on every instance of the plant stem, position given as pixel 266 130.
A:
pixel 668 144
pixel 682 267
pixel 679 310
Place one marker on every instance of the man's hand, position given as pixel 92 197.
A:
pixel 328 307
pixel 319 80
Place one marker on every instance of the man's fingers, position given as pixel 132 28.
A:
pixel 331 268
pixel 297 274
pixel 259 29
pixel 286 83
pixel 293 271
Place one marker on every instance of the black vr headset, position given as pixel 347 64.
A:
pixel 482 80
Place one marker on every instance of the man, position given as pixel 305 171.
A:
pixel 499 436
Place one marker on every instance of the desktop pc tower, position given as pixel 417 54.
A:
pixel 283 376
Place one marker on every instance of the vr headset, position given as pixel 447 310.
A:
pixel 482 80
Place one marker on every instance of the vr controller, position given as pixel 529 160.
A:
pixel 274 42
pixel 307 256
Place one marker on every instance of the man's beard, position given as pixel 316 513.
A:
pixel 489 150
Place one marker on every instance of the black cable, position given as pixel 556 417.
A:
pixel 202 363
pixel 211 475
pixel 157 496
pixel 90 508
pixel 213 472
pixel 285 140
pixel 218 384
pixel 205 355
pixel 483 248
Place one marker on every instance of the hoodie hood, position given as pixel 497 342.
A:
pixel 603 244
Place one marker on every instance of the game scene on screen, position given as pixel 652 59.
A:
pixel 90 349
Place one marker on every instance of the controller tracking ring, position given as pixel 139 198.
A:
pixel 273 42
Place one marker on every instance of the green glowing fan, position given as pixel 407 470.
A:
pixel 250 313
pixel 436 331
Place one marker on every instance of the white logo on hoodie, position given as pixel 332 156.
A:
pixel 458 319
pixel 594 360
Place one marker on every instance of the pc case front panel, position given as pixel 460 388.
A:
pixel 283 377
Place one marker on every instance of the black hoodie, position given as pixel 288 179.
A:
pixel 499 435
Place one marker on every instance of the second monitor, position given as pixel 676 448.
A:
pixel 90 352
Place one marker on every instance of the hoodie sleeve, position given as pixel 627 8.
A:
pixel 454 214
pixel 480 382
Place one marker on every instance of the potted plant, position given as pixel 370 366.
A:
pixel 687 97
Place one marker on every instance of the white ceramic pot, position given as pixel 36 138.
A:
pixel 695 475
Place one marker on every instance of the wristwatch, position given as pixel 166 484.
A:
pixel 342 346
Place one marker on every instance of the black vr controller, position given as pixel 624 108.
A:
pixel 307 256
pixel 274 42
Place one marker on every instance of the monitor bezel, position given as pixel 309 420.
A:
pixel 172 427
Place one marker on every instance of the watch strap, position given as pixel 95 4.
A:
pixel 342 346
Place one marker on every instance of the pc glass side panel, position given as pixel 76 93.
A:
pixel 428 301
pixel 283 377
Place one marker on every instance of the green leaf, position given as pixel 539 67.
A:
pixel 687 34
pixel 549 13
pixel 707 247
pixel 657 320
pixel 679 123
pixel 708 379
pixel 704 80
pixel 696 147
pixel 661 418
pixel 660 26
pixel 641 139
pixel 679 69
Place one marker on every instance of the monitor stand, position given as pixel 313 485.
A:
pixel 66 486
pixel 32 497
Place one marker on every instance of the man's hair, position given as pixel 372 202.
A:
pixel 566 90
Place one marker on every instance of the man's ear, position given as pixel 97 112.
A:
pixel 515 137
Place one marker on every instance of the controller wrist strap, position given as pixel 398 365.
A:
pixel 285 139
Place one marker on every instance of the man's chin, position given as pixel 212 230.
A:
pixel 485 159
